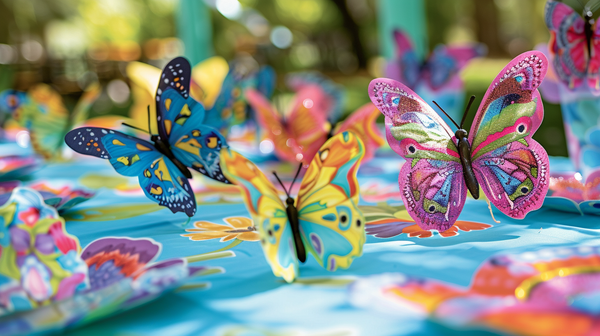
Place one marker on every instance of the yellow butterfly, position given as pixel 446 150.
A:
pixel 205 86
pixel 324 220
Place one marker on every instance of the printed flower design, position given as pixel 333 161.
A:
pixel 385 221
pixel 241 228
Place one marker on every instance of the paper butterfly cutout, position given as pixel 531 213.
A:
pixel 325 219
pixel 574 45
pixel 42 112
pixel 334 91
pixel 184 141
pixel 499 154
pixel 299 135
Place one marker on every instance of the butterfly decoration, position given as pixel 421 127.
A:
pixel 497 154
pixel 183 141
pixel 574 45
pixel 335 92
pixel 324 220
pixel 297 135
pixel 42 112
pixel 436 77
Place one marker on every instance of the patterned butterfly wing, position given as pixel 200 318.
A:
pixel 431 181
pixel 182 121
pixel 363 124
pixel 160 179
pixel 229 108
pixel 593 71
pixel 568 44
pixel 267 211
pixel 510 166
pixel 331 225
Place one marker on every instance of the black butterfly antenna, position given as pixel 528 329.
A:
pixel 293 181
pixel 449 117
pixel 134 127
pixel 281 183
pixel 462 122
pixel 149 127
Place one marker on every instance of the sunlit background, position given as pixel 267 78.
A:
pixel 71 43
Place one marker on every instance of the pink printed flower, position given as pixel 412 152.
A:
pixel 62 241
pixel 30 217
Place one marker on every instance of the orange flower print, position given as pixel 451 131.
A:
pixel 241 228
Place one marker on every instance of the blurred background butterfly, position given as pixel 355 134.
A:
pixel 184 140
pixel 438 76
pixel 295 131
pixel 324 220
pixel 574 49
pixel 43 114
pixel 510 167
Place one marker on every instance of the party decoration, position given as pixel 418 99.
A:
pixel 572 45
pixel 60 196
pixel 240 228
pixel 42 112
pixel 46 274
pixel 546 292
pixel 325 219
pixel 437 77
pixel 184 141
pixel 567 193
pixel 296 136
pixel 497 154
pixel 386 221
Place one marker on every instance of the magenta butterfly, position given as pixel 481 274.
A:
pixel 574 45
pixel 499 153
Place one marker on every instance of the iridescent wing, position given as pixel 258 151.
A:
pixel 431 181
pixel 445 62
pixel 510 166
pixel 160 179
pixel 267 211
pixel 331 225
pixel 182 122
pixel 568 44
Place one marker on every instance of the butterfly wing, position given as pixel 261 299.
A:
pixel 445 62
pixel 229 107
pixel 182 121
pixel 593 71
pixel 160 179
pixel 143 81
pixel 267 211
pixel 431 181
pixel 47 119
pixel 207 80
pixel 331 225
pixel 406 68
pixel 568 43
pixel 510 166
pixel 332 93
pixel 270 121
pixel 362 124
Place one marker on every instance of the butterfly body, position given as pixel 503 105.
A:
pixel 164 148
pixel 292 214
pixel 498 153
pixel 464 150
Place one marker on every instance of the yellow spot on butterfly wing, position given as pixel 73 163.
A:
pixel 162 172
pixel 185 111
pixel 168 125
pixel 117 142
pixel 135 159
pixel 156 191
pixel 124 160
pixel 168 103
pixel 142 147
pixel 211 142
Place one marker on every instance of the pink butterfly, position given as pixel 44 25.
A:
pixel 574 45
pixel 498 153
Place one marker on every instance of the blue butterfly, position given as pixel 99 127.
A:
pixel 184 140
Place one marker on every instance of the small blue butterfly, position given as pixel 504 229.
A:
pixel 184 140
